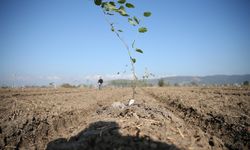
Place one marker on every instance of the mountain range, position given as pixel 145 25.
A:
pixel 213 79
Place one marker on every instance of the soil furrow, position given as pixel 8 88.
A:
pixel 234 136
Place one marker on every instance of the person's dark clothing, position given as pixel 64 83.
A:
pixel 100 81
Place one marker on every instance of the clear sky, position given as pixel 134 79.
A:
pixel 69 40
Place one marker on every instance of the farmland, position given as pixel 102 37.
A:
pixel 161 118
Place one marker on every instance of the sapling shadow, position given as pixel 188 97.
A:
pixel 105 135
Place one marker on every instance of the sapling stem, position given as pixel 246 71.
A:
pixel 129 53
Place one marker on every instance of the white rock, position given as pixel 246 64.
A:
pixel 131 102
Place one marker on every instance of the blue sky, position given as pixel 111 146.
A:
pixel 69 41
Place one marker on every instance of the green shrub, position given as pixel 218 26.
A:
pixel 246 83
pixel 67 85
pixel 161 83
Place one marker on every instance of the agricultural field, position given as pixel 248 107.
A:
pixel 161 118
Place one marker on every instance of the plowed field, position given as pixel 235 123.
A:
pixel 160 118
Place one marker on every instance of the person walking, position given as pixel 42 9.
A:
pixel 100 82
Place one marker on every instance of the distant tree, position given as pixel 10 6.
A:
pixel 67 85
pixel 161 83
pixel 5 87
pixel 246 83
pixel 176 84
pixel 193 83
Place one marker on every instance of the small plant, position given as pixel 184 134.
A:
pixel 161 83
pixel 110 8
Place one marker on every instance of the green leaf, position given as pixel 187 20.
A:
pixel 142 29
pixel 112 29
pixel 131 22
pixel 147 14
pixel 133 60
pixel 126 15
pixel 120 30
pixel 139 50
pixel 112 3
pixel 133 44
pixel 121 1
pixel 122 11
pixel 136 20
pixel 98 2
pixel 129 5
pixel 108 6
pixel 103 4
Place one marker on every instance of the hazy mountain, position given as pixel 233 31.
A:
pixel 214 79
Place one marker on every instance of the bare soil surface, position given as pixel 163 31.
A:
pixel 160 118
